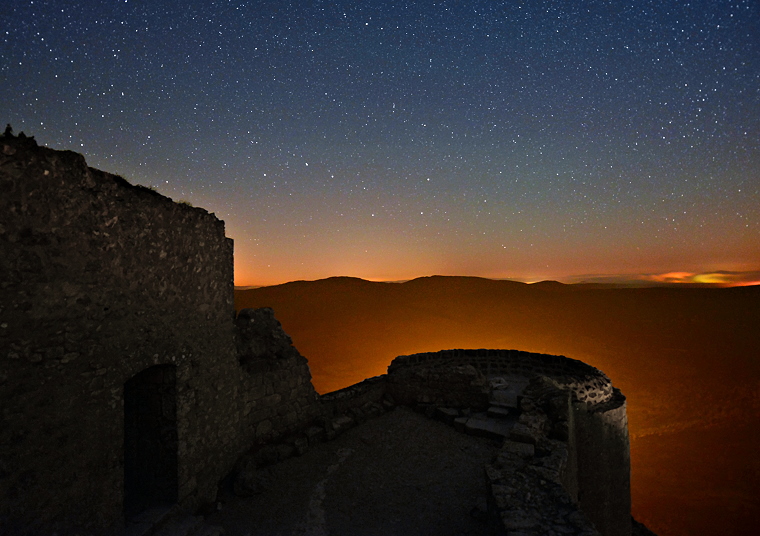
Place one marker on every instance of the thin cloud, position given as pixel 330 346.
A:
pixel 716 278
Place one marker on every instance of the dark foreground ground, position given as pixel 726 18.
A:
pixel 398 474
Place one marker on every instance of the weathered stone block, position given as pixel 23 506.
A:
pixel 264 428
pixel 315 434
pixel 342 423
pixel 525 450
pixel 300 445
pixel 485 427
pixel 498 412
pixel 523 434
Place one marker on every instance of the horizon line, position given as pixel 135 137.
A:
pixel 715 279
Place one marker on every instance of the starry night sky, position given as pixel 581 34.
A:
pixel 390 140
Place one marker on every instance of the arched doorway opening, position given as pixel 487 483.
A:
pixel 150 440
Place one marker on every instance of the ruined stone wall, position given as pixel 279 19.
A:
pixel 588 384
pixel 99 281
pixel 533 481
pixel 276 396
pixel 604 463
pixel 589 426
pixel 453 385
pixel 354 397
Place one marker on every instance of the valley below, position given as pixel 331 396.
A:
pixel 688 360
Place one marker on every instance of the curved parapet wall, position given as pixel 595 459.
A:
pixel 597 473
pixel 588 384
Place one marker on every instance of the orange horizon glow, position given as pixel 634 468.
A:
pixel 723 279
pixel 248 278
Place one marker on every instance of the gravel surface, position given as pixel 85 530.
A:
pixel 398 474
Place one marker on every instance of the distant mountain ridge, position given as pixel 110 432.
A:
pixel 548 317
pixel 609 283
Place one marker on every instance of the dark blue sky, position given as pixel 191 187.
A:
pixel 390 140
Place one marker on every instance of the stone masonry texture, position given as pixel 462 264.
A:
pixel 99 281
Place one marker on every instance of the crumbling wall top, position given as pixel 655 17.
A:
pixel 588 384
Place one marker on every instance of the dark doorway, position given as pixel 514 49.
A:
pixel 150 440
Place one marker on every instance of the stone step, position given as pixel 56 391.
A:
pixel 499 412
pixel 491 428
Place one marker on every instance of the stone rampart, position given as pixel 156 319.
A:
pixel 276 397
pixel 588 384
pixel 603 455
pixel 354 397
pixel 116 310
pixel 568 410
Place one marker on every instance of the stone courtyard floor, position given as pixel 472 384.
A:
pixel 398 474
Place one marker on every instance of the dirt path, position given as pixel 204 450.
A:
pixel 398 474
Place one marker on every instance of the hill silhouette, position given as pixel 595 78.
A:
pixel 688 359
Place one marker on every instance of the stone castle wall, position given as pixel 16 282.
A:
pixel 588 384
pixel 99 281
pixel 603 456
